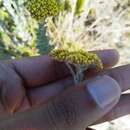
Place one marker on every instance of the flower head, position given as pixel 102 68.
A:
pixel 78 58
pixel 40 9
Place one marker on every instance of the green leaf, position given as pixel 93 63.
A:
pixel 79 7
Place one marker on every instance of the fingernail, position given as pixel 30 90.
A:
pixel 104 90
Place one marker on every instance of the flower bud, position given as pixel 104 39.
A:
pixel 40 9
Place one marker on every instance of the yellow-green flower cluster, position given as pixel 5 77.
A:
pixel 40 9
pixel 80 57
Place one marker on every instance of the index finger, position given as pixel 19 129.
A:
pixel 41 70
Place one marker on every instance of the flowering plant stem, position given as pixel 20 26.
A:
pixel 78 74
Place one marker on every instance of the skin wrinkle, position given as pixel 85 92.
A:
pixel 14 66
pixel 24 82
pixel 25 100
pixel 63 111
pixel 43 93
pixel 3 91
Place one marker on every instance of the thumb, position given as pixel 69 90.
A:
pixel 74 109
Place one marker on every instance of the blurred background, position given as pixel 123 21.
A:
pixel 92 24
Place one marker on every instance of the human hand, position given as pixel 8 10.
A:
pixel 44 84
